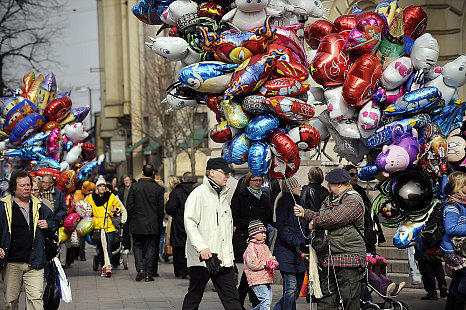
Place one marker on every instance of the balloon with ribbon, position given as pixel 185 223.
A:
pixel 259 158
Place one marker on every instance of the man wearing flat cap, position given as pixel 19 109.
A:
pixel 341 262
pixel 209 249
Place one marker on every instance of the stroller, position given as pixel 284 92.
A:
pixel 118 257
pixel 386 303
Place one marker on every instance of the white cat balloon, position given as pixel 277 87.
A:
pixel 173 49
pixel 337 108
pixel 368 119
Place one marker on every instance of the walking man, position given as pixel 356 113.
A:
pixel 209 249
pixel 145 215
pixel 23 222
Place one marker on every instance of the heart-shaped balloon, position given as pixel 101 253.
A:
pixel 330 65
pixel 280 169
pixel 366 36
pixel 259 158
pixel 283 147
pixel 344 24
pixel 363 79
pixel 315 32
pixel 414 21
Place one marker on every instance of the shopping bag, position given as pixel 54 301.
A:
pixel 51 295
pixel 65 287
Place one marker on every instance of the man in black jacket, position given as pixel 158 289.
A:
pixel 175 208
pixel 313 194
pixel 145 215
pixel 24 221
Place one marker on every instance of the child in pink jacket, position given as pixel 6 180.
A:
pixel 259 265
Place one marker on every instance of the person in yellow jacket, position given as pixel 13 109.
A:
pixel 105 205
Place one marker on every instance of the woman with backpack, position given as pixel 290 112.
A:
pixel 454 214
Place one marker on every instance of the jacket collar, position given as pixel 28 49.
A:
pixel 8 204
pixel 206 182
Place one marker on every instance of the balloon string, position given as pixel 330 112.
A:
pixel 299 222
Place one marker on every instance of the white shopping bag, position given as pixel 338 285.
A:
pixel 65 288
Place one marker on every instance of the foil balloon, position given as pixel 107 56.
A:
pixel 251 74
pixel 366 36
pixel 238 150
pixel 254 104
pixel 50 126
pixel 78 195
pixel 88 151
pixel 330 65
pixel 70 203
pixel 290 108
pixel 399 156
pixel 88 171
pixel 26 128
pixel 283 87
pixel 306 137
pixel 415 101
pixel 362 80
pixel 28 78
pixel 433 157
pixel 54 144
pixel 408 234
pixel 43 171
pixel 85 226
pixel 368 119
pixel 67 181
pixel 222 132
pixel 343 24
pixel 387 9
pixel 177 10
pixel 212 10
pixel 47 163
pixel 80 113
pixel 397 73
pixel 87 237
pixel 88 187
pixel 315 32
pixel 247 15
pixel 75 132
pixel 34 89
pixel 176 99
pixel 347 128
pixel 425 52
pixel 27 153
pixel 447 118
pixel 453 76
pixel 237 47
pixel 72 156
pixel 234 114
pixel 259 159
pixel 8 103
pixel 150 11
pixel 321 128
pixel 226 151
pixel 283 146
pixel 47 92
pixel 393 43
pixel 63 235
pixel 83 208
pixel 213 102
pixel 290 69
pixel 174 49
pixel 39 138
pixel 287 36
pixel 336 106
pixel 261 127
pixel 71 221
pixel 280 169
pixel 17 114
pixel 74 239
pixel 414 21
pixel 58 109
pixel 456 146
pixel 207 76
pixel 412 193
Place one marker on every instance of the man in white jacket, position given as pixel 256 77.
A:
pixel 209 227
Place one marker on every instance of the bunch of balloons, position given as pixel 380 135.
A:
pixel 246 63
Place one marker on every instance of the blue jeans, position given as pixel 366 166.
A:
pixel 292 283
pixel 264 294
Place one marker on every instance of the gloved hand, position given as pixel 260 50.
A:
pixel 212 264
pixel 271 264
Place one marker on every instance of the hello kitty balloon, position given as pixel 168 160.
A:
pixel 397 72
pixel 75 132
pixel 368 119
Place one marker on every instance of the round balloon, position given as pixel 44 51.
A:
pixel 239 149
pixel 414 21
pixel 315 32
pixel 85 226
pixel 280 169
pixel 71 221
pixel 261 127
pixel 63 235
pixel 259 158
pixel 83 208
pixel 284 147
pixel 412 193
pixel 306 137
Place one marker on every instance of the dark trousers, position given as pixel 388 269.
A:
pixel 349 284
pixel 224 283
pixel 180 267
pixel 145 248
pixel 244 289
pixel 431 270
pixel 100 254
pixel 126 237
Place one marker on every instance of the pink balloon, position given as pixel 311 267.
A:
pixel 366 36
pixel 54 144
pixel 71 221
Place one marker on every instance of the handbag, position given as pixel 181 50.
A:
pixel 51 243
pixel 116 220
pixel 459 245
pixel 319 241
pixel 51 295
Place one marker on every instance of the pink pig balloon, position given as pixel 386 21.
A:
pixel 54 144
pixel 366 36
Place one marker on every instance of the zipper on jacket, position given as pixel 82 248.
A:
pixel 217 217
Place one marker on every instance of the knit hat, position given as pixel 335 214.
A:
pixel 337 176
pixel 289 184
pixel 255 227
pixel 100 181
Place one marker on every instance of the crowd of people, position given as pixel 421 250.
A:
pixel 238 241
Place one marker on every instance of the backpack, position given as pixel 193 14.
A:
pixel 433 231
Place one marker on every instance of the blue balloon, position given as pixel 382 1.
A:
pixel 261 127
pixel 367 173
pixel 37 139
pixel 26 127
pixel 239 149
pixel 408 45
pixel 226 151
pixel 407 234
pixel 47 163
pixel 88 171
pixel 68 145
pixel 28 153
pixel 259 158
pixel 88 239
pixel 414 101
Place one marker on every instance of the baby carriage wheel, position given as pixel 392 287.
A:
pixel 404 306
pixel 95 263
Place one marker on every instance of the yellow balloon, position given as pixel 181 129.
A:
pixel 63 235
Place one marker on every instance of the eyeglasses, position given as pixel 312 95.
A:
pixel 223 172
pixel 257 180
pixel 352 174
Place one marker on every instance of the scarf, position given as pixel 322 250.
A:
pixel 256 192
pixel 100 200
pixel 215 186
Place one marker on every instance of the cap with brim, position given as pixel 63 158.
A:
pixel 219 163
pixel 337 176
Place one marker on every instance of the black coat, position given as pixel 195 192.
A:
pixel 245 207
pixel 312 196
pixel 145 207
pixel 175 208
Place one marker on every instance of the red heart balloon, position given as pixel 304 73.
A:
pixel 283 147
pixel 414 21
pixel 280 169
pixel 363 79
pixel 316 31
pixel 330 65
pixel 344 24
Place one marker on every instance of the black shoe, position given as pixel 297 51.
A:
pixel 156 275
pixel 149 279
pixel 141 274
pixel 429 297
pixel 443 292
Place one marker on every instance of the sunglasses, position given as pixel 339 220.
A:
pixel 352 174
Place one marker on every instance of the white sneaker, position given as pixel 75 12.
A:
pixel 390 289
pixel 400 287
pixel 125 251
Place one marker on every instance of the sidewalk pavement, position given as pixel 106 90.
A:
pixel 121 291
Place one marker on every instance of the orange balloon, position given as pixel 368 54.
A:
pixel 88 187
pixel 50 126
pixel 78 195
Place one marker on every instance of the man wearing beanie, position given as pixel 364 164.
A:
pixel 209 228
pixel 341 262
